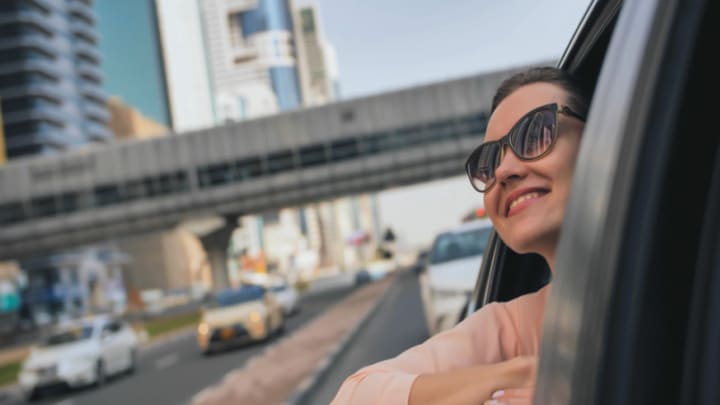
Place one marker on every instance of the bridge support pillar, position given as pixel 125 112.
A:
pixel 216 246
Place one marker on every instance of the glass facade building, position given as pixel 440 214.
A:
pixel 50 81
pixel 132 56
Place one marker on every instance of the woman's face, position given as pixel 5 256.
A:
pixel 537 190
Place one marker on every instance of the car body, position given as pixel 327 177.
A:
pixel 633 315
pixel 451 269
pixel 421 260
pixel 79 353
pixel 285 293
pixel 239 315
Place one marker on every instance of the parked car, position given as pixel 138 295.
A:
pixel 634 311
pixel 451 270
pixel 239 315
pixel 79 353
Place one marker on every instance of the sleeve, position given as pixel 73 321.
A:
pixel 479 339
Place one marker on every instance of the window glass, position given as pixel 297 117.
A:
pixel 68 336
pixel 280 161
pixel 238 296
pixel 458 245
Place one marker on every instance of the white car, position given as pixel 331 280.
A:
pixel 79 353
pixel 286 295
pixel 452 268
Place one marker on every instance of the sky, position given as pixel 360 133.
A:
pixel 388 44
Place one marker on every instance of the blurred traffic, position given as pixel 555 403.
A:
pixel 190 182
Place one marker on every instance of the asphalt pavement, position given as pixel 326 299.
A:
pixel 397 324
pixel 172 372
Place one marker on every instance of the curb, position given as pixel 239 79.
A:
pixel 310 382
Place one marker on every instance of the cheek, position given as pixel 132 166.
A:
pixel 490 203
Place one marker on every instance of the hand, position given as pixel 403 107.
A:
pixel 523 370
pixel 520 390
pixel 475 384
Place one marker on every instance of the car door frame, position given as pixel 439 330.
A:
pixel 615 326
pixel 585 357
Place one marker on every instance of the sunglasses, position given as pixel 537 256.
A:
pixel 531 138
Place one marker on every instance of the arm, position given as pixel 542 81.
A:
pixel 482 339
pixel 474 384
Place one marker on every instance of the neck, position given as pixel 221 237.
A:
pixel 548 250
pixel 548 253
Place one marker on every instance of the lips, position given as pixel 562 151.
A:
pixel 518 196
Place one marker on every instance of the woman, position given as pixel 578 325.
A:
pixel 524 168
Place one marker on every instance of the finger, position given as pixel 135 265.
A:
pixel 514 393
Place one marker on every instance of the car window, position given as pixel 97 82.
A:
pixel 71 335
pixel 279 287
pixel 458 245
pixel 238 296
pixel 112 327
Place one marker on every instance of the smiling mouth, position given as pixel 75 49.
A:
pixel 518 202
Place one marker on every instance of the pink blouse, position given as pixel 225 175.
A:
pixel 496 332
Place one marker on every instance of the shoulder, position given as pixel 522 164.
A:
pixel 532 304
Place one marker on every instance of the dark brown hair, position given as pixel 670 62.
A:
pixel 579 97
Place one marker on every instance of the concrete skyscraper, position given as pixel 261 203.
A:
pixel 50 81
pixel 252 59
pixel 316 57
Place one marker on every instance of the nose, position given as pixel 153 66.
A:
pixel 511 168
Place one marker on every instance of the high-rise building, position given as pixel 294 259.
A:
pixel 155 60
pixel 251 54
pixel 50 81
pixel 3 150
pixel 133 62
pixel 318 68
pixel 186 64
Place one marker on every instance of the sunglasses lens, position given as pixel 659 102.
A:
pixel 481 165
pixel 534 135
pixel 530 138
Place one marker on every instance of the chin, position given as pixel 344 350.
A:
pixel 521 247
pixel 530 242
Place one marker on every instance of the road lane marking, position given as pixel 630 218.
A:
pixel 66 402
pixel 167 361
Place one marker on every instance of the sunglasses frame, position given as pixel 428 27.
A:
pixel 556 108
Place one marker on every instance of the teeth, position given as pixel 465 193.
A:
pixel 523 198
